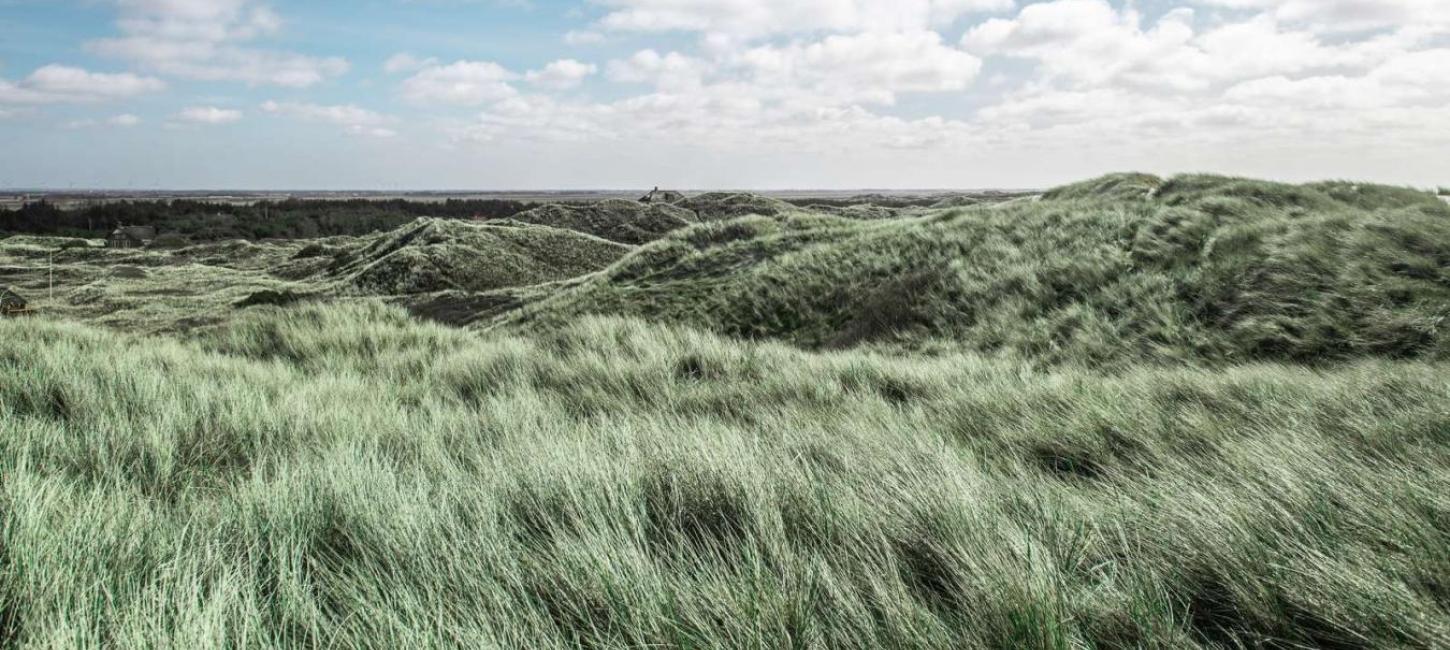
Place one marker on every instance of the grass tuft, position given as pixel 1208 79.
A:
pixel 344 474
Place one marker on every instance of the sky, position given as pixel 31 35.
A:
pixel 747 94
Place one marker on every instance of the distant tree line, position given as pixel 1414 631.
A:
pixel 205 221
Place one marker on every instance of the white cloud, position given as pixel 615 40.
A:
pixel 1350 15
pixel 672 70
pixel 577 37
pixel 125 120
pixel 838 70
pixel 405 62
pixel 354 119
pixel 66 80
pixel 1089 42
pixel 869 67
pixel 561 74
pixel 714 119
pixel 464 83
pixel 209 115
pixel 60 83
pixel 1421 78
pixel 205 40
pixel 752 18
pixel 1266 75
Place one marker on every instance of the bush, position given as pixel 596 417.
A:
pixel 71 244
pixel 170 240
pixel 270 297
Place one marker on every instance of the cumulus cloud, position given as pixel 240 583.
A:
pixel 462 83
pixel 671 70
pixel 1098 73
pixel 1266 73
pixel 753 18
pixel 869 67
pixel 1089 42
pixel 1350 15
pixel 353 119
pixel 60 83
pixel 210 115
pixel 208 40
pixel 561 74
pixel 798 95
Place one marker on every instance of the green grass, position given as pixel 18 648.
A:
pixel 1111 272
pixel 626 222
pixel 1134 412
pixel 345 476
pixel 438 254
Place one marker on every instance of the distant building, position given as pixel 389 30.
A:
pixel 11 303
pixel 658 195
pixel 131 236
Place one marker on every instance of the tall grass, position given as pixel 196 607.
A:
pixel 344 476
pixel 1107 273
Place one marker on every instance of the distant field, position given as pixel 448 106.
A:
pixel 1133 412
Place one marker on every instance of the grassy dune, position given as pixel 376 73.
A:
pixel 345 476
pixel 1135 412
pixel 1112 271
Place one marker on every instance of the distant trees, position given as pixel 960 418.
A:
pixel 204 221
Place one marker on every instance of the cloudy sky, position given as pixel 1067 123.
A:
pixel 527 94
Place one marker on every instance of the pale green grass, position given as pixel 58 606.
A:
pixel 346 477
pixel 1111 272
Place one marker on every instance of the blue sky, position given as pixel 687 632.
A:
pixel 533 94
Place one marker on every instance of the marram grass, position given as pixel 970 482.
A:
pixel 347 477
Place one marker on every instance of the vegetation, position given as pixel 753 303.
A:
pixel 722 206
pixel 434 255
pixel 152 290
pixel 1196 412
pixel 1122 269
pixel 346 476
pixel 203 221
pixel 626 222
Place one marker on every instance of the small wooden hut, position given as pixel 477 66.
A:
pixel 11 303
pixel 131 236
pixel 658 195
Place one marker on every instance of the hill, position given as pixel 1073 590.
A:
pixel 626 222
pixel 717 206
pixel 437 254
pixel 1126 268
